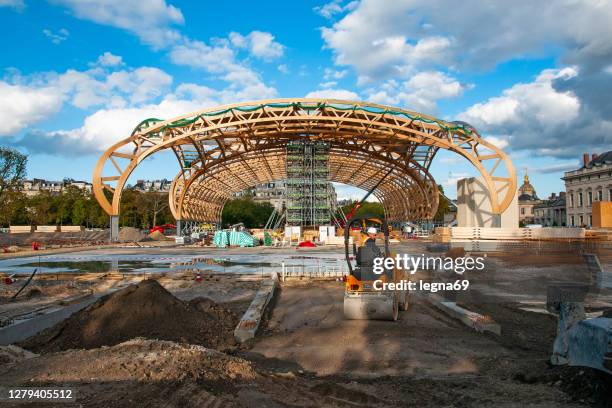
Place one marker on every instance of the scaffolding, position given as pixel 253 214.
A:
pixel 309 193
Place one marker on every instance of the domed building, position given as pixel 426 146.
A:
pixel 527 199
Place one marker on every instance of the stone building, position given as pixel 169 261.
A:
pixel 527 200
pixel 551 212
pixel 591 182
pixel 152 186
pixel 36 186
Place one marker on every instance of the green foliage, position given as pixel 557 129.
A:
pixel 370 208
pixel 247 211
pixel 74 206
pixel 443 205
pixel 12 172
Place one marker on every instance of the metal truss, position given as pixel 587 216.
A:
pixel 227 149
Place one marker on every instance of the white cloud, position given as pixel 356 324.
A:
pixel 22 106
pixel 260 44
pixel 17 5
pixel 219 59
pixel 29 100
pixel 333 94
pixel 556 167
pixel 150 20
pixel 283 69
pixel 109 60
pixel 198 54
pixel 536 101
pixel 328 10
pixel 107 126
pixel 85 89
pixel 498 141
pixel 332 74
pixel 56 38
pixel 451 180
pixel 387 37
pixel 418 93
pixel 535 116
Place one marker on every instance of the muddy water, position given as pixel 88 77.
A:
pixel 92 262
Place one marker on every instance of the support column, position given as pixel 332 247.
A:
pixel 179 227
pixel 114 228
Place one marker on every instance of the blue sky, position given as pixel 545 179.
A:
pixel 77 75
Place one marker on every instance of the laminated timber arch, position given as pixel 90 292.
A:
pixel 229 148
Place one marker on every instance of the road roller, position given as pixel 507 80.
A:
pixel 361 299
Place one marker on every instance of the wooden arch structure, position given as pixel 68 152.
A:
pixel 227 149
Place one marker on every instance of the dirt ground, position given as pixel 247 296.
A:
pixel 308 355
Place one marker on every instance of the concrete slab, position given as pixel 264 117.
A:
pixel 250 322
pixel 590 344
pixel 471 319
pixel 24 328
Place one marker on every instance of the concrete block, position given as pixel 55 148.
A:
pixel 250 322
pixel 22 329
pixel 474 206
pixel 590 344
pixel 471 319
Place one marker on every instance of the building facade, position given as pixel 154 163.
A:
pixel 36 186
pixel 527 200
pixel 152 186
pixel 591 182
pixel 551 212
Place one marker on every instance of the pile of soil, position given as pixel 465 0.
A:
pixel 130 234
pixel 143 310
pixel 158 236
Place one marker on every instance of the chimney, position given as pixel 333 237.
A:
pixel 585 159
pixel 593 156
pixel 553 196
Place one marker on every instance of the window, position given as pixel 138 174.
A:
pixel 571 198
pixel 579 199
pixel 522 210
pixel 581 220
pixel 600 195
pixel 572 223
pixel 590 220
pixel 610 195
pixel 590 195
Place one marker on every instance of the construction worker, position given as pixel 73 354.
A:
pixel 367 253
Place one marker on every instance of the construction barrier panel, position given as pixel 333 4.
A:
pixel 21 229
pixel 71 228
pixel 47 228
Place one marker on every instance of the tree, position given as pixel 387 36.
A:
pixel 12 172
pixel 367 208
pixel 443 205
pixel 79 212
pixel 247 211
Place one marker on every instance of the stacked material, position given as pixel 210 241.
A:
pixel 441 234
pixel 476 233
pixel 221 240
pixel 234 238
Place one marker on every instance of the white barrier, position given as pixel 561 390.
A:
pixel 477 233
pixel 71 228
pixel 47 228
pixel 21 229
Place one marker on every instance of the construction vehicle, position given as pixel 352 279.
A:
pixel 361 299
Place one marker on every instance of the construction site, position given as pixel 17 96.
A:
pixel 320 307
